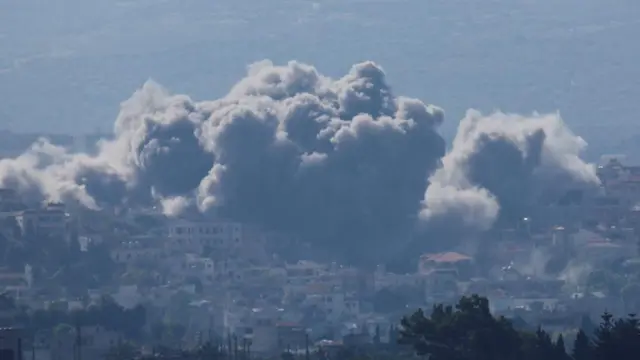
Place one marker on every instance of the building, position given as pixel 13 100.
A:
pixel 448 260
pixel 301 275
pixel 10 344
pixel 192 266
pixel 292 336
pixel 52 220
pixel 137 250
pixel 195 237
pixel 387 280
pixel 16 283
pixel 264 330
pixel 440 284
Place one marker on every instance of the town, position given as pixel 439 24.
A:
pixel 102 278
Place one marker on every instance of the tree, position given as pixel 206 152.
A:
pixel 538 345
pixel 582 347
pixel 559 349
pixel 605 341
pixel 467 332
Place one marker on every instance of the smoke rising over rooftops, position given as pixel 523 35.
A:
pixel 342 163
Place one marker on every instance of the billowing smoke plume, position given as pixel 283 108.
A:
pixel 502 165
pixel 342 163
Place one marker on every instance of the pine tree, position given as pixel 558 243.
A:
pixel 544 348
pixel 560 351
pixel 582 347
pixel 604 344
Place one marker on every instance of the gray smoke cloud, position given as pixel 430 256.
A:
pixel 340 162
pixel 502 164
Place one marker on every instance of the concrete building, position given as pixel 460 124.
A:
pixel 190 236
pixel 264 330
pixel 52 220
pixel 138 249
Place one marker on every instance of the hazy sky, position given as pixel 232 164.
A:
pixel 65 65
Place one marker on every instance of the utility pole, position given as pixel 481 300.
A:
pixel 306 345
pixel 33 346
pixel 78 355
pixel 235 347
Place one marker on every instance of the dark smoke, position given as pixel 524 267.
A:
pixel 344 164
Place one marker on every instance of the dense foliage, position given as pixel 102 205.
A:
pixel 468 331
pixel 106 313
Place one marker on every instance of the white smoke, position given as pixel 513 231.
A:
pixel 339 161
pixel 505 155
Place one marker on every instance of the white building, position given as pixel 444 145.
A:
pixel 138 249
pixel 194 265
pixel 190 236
pixel 386 280
pixel 335 304
pixel 303 274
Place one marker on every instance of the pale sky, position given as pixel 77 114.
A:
pixel 66 65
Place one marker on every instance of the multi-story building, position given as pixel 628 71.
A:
pixel 137 250
pixel 51 220
pixel 190 236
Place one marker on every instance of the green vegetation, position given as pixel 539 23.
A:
pixel 468 331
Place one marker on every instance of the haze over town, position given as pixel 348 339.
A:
pixel 297 173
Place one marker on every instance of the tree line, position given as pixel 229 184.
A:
pixel 468 331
